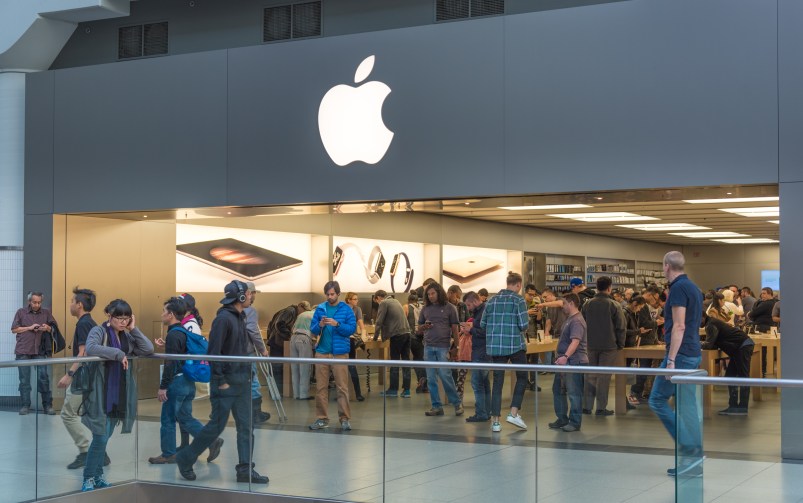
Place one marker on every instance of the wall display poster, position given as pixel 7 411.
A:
pixel 368 265
pixel 208 257
pixel 474 268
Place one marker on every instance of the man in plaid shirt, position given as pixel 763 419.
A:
pixel 505 320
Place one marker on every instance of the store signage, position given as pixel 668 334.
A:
pixel 350 120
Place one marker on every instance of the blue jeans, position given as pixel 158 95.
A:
pixel 687 434
pixel 42 382
pixel 567 395
pixel 236 399
pixel 432 354
pixel 255 382
pixel 97 450
pixel 518 358
pixel 178 407
pixel 481 383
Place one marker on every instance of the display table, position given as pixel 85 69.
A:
pixel 773 345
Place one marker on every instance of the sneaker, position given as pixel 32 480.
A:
pixel 477 419
pixel 557 424
pixel 733 411
pixel 516 421
pixel 458 409
pixel 345 425
pixel 79 462
pixel 604 412
pixel 100 483
pixel 253 477
pixel 496 427
pixel 405 394
pixel 434 412
pixel 24 412
pixel 389 394
pixel 50 411
pixel 214 450
pixel 186 471
pixel 319 424
pixel 692 469
pixel 360 398
pixel 161 460
pixel 570 428
pixel 88 485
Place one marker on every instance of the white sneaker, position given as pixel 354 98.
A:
pixel 496 427
pixel 516 421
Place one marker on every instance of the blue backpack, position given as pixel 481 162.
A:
pixel 196 370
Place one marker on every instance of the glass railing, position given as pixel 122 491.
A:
pixel 398 448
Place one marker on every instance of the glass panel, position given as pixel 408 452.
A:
pixel 689 446
pixel 18 464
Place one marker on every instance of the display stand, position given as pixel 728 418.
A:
pixel 622 272
pixel 648 273
pixel 560 269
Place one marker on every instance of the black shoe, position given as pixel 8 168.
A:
pixel 260 417
pixel 106 460
pixel 630 406
pixel 186 471
pixel 604 412
pixel 214 450
pixel 79 462
pixel 360 398
pixel 557 424
pixel 477 419
pixel 252 477
pixel 586 411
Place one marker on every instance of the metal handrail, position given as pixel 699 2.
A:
pixel 738 381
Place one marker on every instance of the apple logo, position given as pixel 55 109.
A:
pixel 350 120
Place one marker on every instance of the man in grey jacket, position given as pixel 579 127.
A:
pixel 606 336
pixel 255 344
pixel 391 323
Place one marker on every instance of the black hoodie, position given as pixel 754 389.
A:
pixel 228 337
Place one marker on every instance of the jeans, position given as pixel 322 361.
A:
pixel 42 382
pixel 481 383
pixel 687 434
pixel 567 395
pixel 518 358
pixel 432 354
pixel 178 407
pixel 255 382
pixel 399 350
pixel 236 399
pixel 300 347
pixel 97 451
pixel 638 388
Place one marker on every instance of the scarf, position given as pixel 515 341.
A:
pixel 114 371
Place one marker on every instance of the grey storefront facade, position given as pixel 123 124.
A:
pixel 617 96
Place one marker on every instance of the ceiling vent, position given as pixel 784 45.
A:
pixel 142 40
pixel 450 10
pixel 285 22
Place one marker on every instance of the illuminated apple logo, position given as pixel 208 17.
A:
pixel 350 120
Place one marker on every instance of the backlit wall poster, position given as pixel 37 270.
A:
pixel 474 268
pixel 367 265
pixel 207 258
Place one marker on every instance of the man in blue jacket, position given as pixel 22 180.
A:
pixel 334 322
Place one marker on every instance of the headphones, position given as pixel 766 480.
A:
pixel 241 298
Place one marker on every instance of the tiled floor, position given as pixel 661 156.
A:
pixel 423 459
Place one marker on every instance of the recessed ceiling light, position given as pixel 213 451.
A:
pixel 731 200
pixel 746 241
pixel 664 227
pixel 706 235
pixel 598 199
pixel 544 207
pixel 615 216
pixel 763 211
pixel 144 216
pixel 775 222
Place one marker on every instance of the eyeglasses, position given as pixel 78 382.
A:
pixel 122 319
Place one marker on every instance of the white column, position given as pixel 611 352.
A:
pixel 12 213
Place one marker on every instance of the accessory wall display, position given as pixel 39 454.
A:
pixel 360 264
pixel 474 268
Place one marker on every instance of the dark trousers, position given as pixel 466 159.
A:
pixel 355 378
pixel 417 349
pixel 519 358
pixel 399 350
pixel 42 382
pixel 596 386
pixel 638 388
pixel 739 366
pixel 236 399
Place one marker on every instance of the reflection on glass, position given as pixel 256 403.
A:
pixel 689 456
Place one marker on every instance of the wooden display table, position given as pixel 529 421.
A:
pixel 773 345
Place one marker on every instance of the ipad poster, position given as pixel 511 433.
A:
pixel 208 257
pixel 368 265
pixel 474 268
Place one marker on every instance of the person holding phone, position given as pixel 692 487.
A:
pixel 29 324
pixel 113 398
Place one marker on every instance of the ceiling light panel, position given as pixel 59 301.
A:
pixel 708 235
pixel 764 211
pixel 746 241
pixel 545 207
pixel 616 216
pixel 664 227
pixel 777 222
pixel 732 200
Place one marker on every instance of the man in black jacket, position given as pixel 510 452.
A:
pixel 761 314
pixel 606 336
pixel 229 388
pixel 739 348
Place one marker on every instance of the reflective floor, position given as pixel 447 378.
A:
pixel 431 459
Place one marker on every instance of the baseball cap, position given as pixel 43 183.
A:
pixel 252 286
pixel 189 299
pixel 232 291
pixel 575 282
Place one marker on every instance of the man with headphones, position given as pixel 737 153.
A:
pixel 30 323
pixel 229 388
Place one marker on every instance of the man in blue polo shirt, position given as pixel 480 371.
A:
pixel 682 316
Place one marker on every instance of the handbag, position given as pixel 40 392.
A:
pixel 81 380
